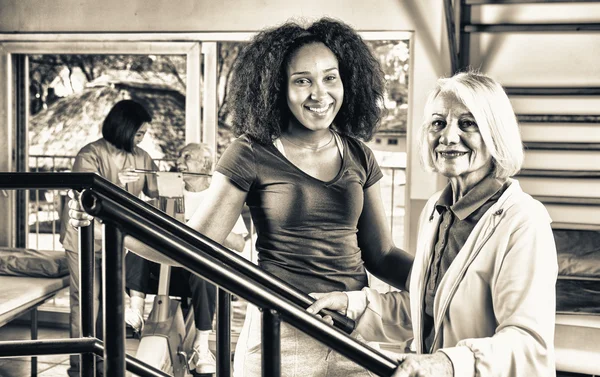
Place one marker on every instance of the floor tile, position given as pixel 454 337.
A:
pixel 20 368
pixel 59 370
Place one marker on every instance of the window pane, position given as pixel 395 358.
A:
pixel 70 96
pixel 228 53
pixel 389 143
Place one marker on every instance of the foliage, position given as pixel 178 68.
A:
pixel 45 71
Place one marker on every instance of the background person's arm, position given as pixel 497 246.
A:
pixel 214 218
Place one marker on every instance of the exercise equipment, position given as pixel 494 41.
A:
pixel 167 337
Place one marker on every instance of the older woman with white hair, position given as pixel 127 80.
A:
pixel 482 287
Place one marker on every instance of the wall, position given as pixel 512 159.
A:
pixel 424 17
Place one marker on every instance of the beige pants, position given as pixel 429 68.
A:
pixel 301 355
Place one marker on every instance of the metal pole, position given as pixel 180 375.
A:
pixel 223 333
pixel 392 202
pixel 271 343
pixel 86 296
pixel 34 336
pixel 114 311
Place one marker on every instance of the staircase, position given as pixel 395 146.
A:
pixel 547 56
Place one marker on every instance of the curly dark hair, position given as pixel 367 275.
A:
pixel 259 80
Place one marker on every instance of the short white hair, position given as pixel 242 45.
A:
pixel 487 101
pixel 203 153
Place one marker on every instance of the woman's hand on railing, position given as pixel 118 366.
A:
pixel 436 364
pixel 77 216
pixel 337 301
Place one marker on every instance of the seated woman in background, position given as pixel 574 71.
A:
pixel 302 101
pixel 114 157
pixel 142 275
pixel 482 289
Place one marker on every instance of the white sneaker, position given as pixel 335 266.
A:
pixel 134 318
pixel 206 364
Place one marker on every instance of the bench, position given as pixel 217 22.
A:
pixel 24 294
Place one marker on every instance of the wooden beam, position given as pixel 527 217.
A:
pixel 560 173
pixel 560 146
pixel 487 2
pixel 541 27
pixel 552 91
pixel 557 118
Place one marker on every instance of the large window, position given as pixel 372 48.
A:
pixel 69 96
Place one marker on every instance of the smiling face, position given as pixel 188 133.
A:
pixel 456 146
pixel 314 87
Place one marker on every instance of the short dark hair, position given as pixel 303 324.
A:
pixel 259 80
pixel 122 122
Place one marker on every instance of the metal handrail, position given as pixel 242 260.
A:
pixel 123 211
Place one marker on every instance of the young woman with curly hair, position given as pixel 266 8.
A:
pixel 302 100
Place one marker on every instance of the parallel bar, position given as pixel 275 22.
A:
pixel 162 232
pixel 197 258
pixel 451 32
pixel 552 91
pixel 49 181
pixel 114 311
pixel 223 333
pixel 486 2
pixel 81 181
pixel 518 28
pixel 16 348
pixel 557 118
pixel 21 88
pixel 559 173
pixel 559 146
pixel 271 343
pixel 34 336
pixel 568 200
pixel 575 226
pixel 86 296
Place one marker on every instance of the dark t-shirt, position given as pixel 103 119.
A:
pixel 306 227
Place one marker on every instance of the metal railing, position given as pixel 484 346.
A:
pixel 123 213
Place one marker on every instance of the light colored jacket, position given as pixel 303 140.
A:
pixel 494 310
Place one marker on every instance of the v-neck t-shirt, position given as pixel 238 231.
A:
pixel 306 228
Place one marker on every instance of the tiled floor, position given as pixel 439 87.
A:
pixel 56 365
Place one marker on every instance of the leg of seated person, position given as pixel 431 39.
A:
pixel 204 303
pixel 137 276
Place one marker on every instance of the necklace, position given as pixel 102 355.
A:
pixel 311 148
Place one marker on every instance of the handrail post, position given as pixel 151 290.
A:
pixel 271 343
pixel 223 333
pixel 113 294
pixel 86 296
